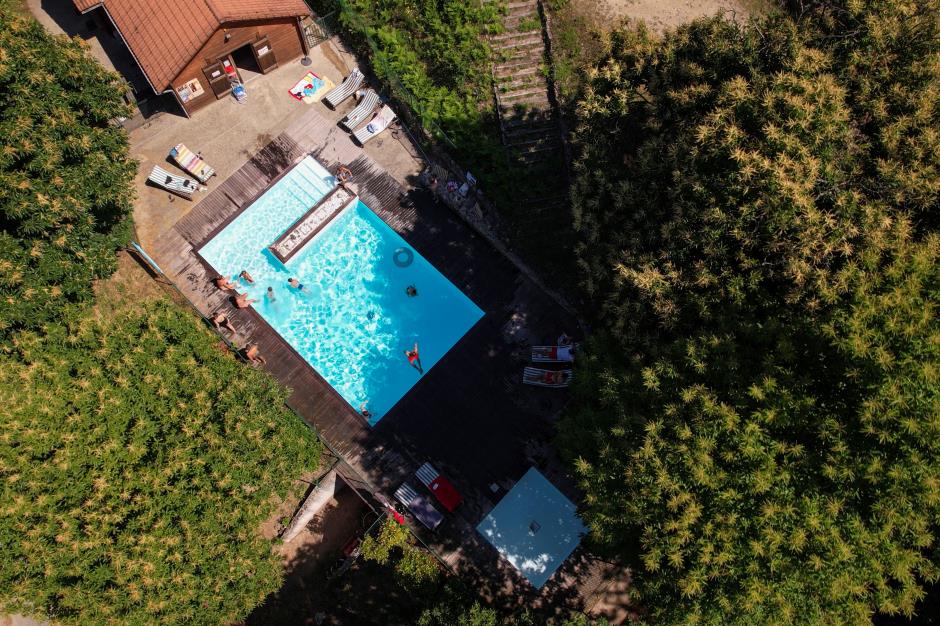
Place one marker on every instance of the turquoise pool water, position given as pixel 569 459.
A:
pixel 534 526
pixel 353 320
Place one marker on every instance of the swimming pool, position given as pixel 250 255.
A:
pixel 353 320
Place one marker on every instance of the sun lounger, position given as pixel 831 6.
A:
pixel 376 125
pixel 176 184
pixel 546 378
pixel 553 354
pixel 192 163
pixel 350 84
pixel 442 488
pixel 419 505
pixel 364 109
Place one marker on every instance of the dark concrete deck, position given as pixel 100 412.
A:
pixel 469 415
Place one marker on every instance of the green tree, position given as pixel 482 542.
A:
pixel 138 460
pixel 65 174
pixel 758 415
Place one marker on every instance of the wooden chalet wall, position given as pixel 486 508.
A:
pixel 284 35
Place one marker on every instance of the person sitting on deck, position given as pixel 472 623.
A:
pixel 242 301
pixel 223 283
pixel 564 339
pixel 343 175
pixel 254 355
pixel 220 320
pixel 414 358
pixel 244 274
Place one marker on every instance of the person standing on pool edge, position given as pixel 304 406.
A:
pixel 414 358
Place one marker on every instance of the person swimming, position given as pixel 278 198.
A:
pixel 414 358
pixel 296 284
pixel 411 290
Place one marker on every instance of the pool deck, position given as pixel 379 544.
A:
pixel 469 415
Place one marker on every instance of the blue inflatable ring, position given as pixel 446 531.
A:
pixel 403 257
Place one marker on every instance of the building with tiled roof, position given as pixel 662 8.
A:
pixel 194 47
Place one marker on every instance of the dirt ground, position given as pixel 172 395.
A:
pixel 664 14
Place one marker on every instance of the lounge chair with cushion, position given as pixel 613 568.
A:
pixel 442 488
pixel 350 84
pixel 546 378
pixel 179 185
pixel 364 109
pixel 553 354
pixel 419 505
pixel 191 162
pixel 379 122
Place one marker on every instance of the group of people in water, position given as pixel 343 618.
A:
pixel 242 301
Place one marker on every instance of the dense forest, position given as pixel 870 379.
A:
pixel 756 420
pixel 64 195
pixel 138 457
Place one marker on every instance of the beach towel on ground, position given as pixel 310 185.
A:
pixel 311 88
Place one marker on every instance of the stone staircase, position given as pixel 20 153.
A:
pixel 527 120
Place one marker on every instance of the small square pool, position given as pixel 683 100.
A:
pixel 353 319
pixel 534 526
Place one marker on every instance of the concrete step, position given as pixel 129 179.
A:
pixel 519 4
pixel 522 83
pixel 537 155
pixel 534 129
pixel 520 58
pixel 511 22
pixel 511 119
pixel 511 67
pixel 535 143
pixel 517 39
pixel 523 95
pixel 517 73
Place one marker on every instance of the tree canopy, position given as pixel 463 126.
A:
pixel 65 174
pixel 759 414
pixel 138 460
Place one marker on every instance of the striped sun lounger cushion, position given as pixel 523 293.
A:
pixel 376 125
pixel 439 486
pixel 363 110
pixel 177 184
pixel 419 506
pixel 546 378
pixel 427 474
pixel 192 162
pixel 553 354
pixel 348 88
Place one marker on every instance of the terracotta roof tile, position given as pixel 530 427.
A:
pixel 165 35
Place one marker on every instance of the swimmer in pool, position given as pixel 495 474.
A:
pixel 414 358
pixel 296 284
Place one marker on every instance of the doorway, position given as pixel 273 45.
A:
pixel 244 60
